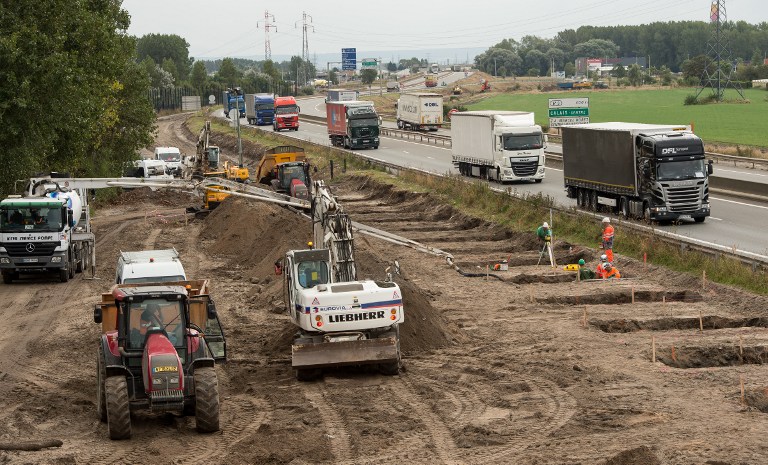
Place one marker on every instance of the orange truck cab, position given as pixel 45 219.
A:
pixel 286 114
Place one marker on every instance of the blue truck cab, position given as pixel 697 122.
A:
pixel 260 109
pixel 230 101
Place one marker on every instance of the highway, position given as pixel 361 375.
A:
pixel 735 222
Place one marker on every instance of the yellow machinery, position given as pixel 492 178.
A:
pixel 280 166
pixel 213 198
pixel 235 172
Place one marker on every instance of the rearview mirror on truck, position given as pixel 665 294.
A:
pixel 710 168
pixel 211 310
pixel 97 316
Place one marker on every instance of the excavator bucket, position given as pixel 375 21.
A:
pixel 358 352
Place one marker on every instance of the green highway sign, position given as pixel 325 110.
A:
pixel 369 63
pixel 568 112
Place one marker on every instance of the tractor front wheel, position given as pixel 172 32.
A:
pixel 118 407
pixel 206 400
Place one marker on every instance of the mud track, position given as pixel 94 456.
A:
pixel 533 368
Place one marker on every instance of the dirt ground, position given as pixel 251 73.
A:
pixel 523 367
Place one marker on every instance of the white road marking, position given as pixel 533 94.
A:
pixel 431 158
pixel 716 219
pixel 739 203
pixel 742 172
pixel 407 153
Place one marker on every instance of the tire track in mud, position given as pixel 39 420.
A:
pixel 335 426
pixel 438 431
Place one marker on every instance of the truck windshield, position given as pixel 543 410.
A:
pixel 264 106
pixel 312 273
pixel 31 219
pixel 522 142
pixel 155 313
pixel 169 156
pixel 286 109
pixel 688 169
pixel 359 123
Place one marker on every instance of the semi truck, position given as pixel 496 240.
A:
pixel 230 100
pixel 503 146
pixel 420 111
pixel 286 114
pixel 259 109
pixel 353 124
pixel 341 95
pixel 654 172
pixel 46 230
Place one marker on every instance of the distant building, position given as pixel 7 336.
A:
pixel 585 65
pixel 765 61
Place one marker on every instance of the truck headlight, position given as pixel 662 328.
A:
pixel 55 259
pixel 541 170
pixel 660 209
pixel 507 172
pixel 157 380
pixel 5 260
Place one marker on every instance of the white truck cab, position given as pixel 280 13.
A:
pixel 149 266
pixel 172 157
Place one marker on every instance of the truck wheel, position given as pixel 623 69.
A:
pixel 7 278
pixel 624 207
pixel 580 198
pixel 647 213
pixel 700 219
pixel 593 200
pixel 101 374
pixel 206 400
pixel 399 124
pixel 63 275
pixel 118 407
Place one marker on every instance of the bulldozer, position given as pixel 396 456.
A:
pixel 158 350
pixel 286 170
pixel 340 320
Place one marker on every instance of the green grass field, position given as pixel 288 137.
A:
pixel 731 123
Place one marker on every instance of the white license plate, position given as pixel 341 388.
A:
pixel 685 217
pixel 29 260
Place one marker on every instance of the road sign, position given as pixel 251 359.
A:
pixel 369 63
pixel 582 102
pixel 348 59
pixel 560 122
pixel 568 112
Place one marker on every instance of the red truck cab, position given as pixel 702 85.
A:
pixel 286 114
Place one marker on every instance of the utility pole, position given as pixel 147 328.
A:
pixel 304 42
pixel 267 26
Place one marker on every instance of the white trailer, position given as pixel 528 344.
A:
pixel 420 111
pixel 504 146
pixel 341 95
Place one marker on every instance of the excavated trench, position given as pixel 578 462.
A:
pixel 708 322
pixel 623 296
pixel 704 357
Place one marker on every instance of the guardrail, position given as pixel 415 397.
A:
pixel 417 135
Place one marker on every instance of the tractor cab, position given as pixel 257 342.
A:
pixel 284 175
pixel 158 350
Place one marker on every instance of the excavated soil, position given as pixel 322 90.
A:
pixel 530 367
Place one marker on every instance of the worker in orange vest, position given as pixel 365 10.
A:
pixel 600 271
pixel 607 234
pixel 611 272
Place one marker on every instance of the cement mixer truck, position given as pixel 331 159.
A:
pixel 46 230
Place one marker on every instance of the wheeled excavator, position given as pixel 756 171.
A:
pixel 341 320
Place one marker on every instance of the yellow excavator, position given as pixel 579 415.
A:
pixel 235 172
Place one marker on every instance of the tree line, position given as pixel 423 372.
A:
pixel 666 44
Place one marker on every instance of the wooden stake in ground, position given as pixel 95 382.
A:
pixel 741 346
pixel 645 261
pixel 584 318
pixel 530 290
pixel 703 279
pixel 633 294
pixel 30 445
pixel 674 356
pixel 741 382
pixel 701 323
pixel 653 348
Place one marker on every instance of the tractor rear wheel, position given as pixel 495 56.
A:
pixel 101 374
pixel 118 407
pixel 206 400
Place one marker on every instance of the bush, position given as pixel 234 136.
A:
pixel 691 99
pixel 307 90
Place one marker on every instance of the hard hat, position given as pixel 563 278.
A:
pixel 546 225
pixel 603 258
pixel 582 262
pixel 606 220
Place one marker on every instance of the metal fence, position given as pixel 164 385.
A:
pixel 181 98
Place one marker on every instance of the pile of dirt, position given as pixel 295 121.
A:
pixel 642 455
pixel 162 197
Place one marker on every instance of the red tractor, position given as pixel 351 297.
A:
pixel 158 350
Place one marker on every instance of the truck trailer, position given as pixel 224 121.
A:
pixel 655 172
pixel 341 95
pixel 503 146
pixel 286 114
pixel 259 109
pixel 353 124
pixel 420 111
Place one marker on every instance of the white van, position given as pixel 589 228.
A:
pixel 172 157
pixel 149 266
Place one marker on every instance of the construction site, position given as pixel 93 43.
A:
pixel 520 365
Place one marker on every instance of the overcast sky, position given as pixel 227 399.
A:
pixel 218 28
